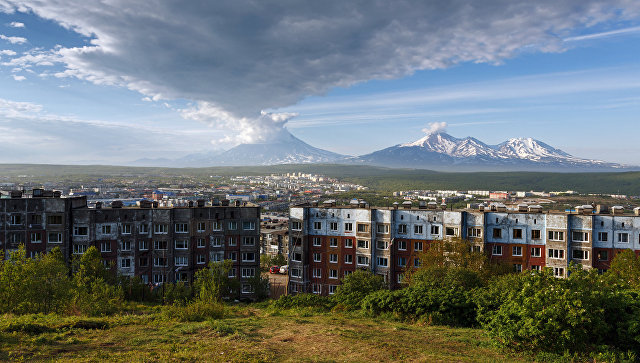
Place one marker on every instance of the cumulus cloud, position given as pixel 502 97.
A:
pixel 13 40
pixel 8 52
pixel 19 78
pixel 15 24
pixel 435 127
pixel 238 58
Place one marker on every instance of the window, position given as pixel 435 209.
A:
pixel 496 250
pixel 535 268
pixel 317 273
pixel 143 245
pixel 382 261
pixel 126 245
pixel 217 257
pixel 248 225
pixel 15 238
pixel 200 242
pixel 144 228
pixel 233 225
pixel 181 244
pixel 383 228
pixel 535 234
pixel 144 262
pixel 516 251
pixel 201 227
pixel 182 276
pixel 296 272
pixel 159 261
pixel 400 278
pixel 36 219
pixel 182 228
pixel 106 229
pixel 36 237
pixel 15 219
pixel 232 273
pixel 105 247
pixel 517 267
pixel 402 245
pixel 333 274
pixel 517 233
pixel 474 232
pixel 580 255
pixel 317 225
pixel 435 230
pixel 248 241
pixel 158 278
pixel 362 228
pixel 348 227
pixel 536 252
pixel 201 259
pixel 160 245
pixel 623 237
pixel 382 245
pixel 554 253
pixel 416 262
pixel 233 256
pixel 417 246
pixel 362 260
pixel 317 257
pixel 363 244
pixel 497 233
pixel 248 257
pixel 450 231
pixel 333 242
pixel 556 236
pixel 125 263
pixel 316 288
pixel 317 242
pixel 79 249
pixel 347 273
pixel 126 229
pixel 333 226
pixel 160 228
pixel 417 229
pixel 402 228
pixel 231 241
pixel 333 258
pixel 578 236
pixel 216 226
pixel 402 261
pixel 603 255
pixel 558 271
pixel 348 243
pixel 348 259
pixel 53 220
pixel 55 237
pixel 80 231
pixel 296 226
pixel 603 236
pixel 296 257
pixel 332 289
pixel 476 248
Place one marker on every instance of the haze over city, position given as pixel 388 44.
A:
pixel 108 83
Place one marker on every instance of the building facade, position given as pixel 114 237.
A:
pixel 329 242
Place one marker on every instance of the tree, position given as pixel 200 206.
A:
pixel 626 267
pixel 213 283
pixel 357 286
pixel 93 293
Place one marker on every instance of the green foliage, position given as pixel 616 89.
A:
pixel 34 285
pixel 197 310
pixel 178 293
pixel 260 287
pixel 538 312
pixel 93 295
pixel 213 283
pixel 625 268
pixel 303 300
pixel 44 323
pixel 357 286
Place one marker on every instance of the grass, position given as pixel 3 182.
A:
pixel 245 334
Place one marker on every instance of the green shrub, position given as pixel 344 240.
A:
pixel 357 286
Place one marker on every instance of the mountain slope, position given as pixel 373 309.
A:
pixel 441 151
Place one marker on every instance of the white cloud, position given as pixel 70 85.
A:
pixel 8 52
pixel 13 40
pixel 18 78
pixel 635 29
pixel 15 24
pixel 238 58
pixel 435 127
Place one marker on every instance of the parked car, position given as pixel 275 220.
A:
pixel 284 269
pixel 274 269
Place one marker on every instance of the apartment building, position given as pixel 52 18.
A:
pixel 158 244
pixel 328 242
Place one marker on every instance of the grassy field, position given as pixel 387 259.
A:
pixel 247 333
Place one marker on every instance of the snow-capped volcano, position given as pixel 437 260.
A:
pixel 441 151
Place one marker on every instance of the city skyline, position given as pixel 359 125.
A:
pixel 90 83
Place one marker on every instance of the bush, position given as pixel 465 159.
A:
pixel 196 311
pixel 356 287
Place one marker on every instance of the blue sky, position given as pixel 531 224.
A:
pixel 85 82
